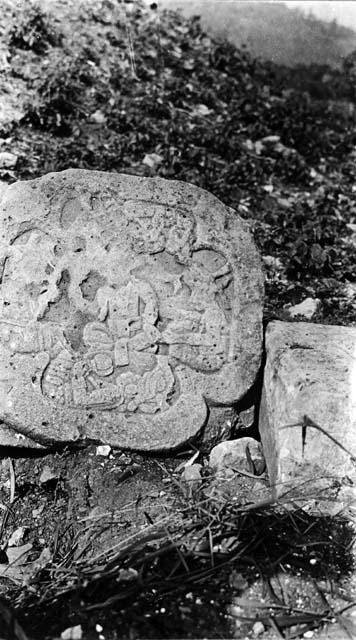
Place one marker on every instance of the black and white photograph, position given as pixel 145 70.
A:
pixel 177 319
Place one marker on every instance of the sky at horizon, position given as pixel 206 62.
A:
pixel 343 11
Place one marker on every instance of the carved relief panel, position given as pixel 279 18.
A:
pixel 130 311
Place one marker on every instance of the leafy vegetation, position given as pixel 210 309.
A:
pixel 127 88
pixel 33 30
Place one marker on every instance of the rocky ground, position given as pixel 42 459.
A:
pixel 114 544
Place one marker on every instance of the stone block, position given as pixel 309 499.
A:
pixel 128 307
pixel 307 416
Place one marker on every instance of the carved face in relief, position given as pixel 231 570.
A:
pixel 120 320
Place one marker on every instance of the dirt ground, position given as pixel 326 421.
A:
pixel 67 511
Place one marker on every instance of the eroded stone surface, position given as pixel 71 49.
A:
pixel 310 371
pixel 128 305
pixel 11 438
pixel 243 454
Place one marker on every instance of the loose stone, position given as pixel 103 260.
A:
pixel 244 454
pixel 307 308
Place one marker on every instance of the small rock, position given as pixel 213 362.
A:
pixel 201 110
pixel 152 160
pixel 237 581
pixel 272 263
pixel 258 628
pixel 103 450
pixel 192 473
pixel 306 308
pixel 271 140
pixel 7 160
pixel 17 537
pixel 48 474
pixel 127 574
pixel 268 187
pixel 98 117
pixel 192 477
pixel 244 454
pixel 72 633
pixel 124 459
pixel 350 291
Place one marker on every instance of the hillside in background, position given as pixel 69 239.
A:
pixel 272 30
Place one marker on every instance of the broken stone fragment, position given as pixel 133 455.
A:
pixel 244 454
pixel 48 475
pixel 191 478
pixel 307 308
pixel 128 307
pixel 307 417
pixel 7 160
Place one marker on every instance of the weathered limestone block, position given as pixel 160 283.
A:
pixel 127 306
pixel 310 372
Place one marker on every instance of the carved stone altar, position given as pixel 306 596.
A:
pixel 127 306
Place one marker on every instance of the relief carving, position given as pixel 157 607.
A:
pixel 120 367
pixel 198 330
pixel 127 354
pixel 153 228
pixel 126 308
pixel 131 334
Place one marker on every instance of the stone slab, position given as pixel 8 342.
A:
pixel 310 371
pixel 128 306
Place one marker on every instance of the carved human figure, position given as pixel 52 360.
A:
pixel 198 328
pixel 127 318
pixel 124 333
